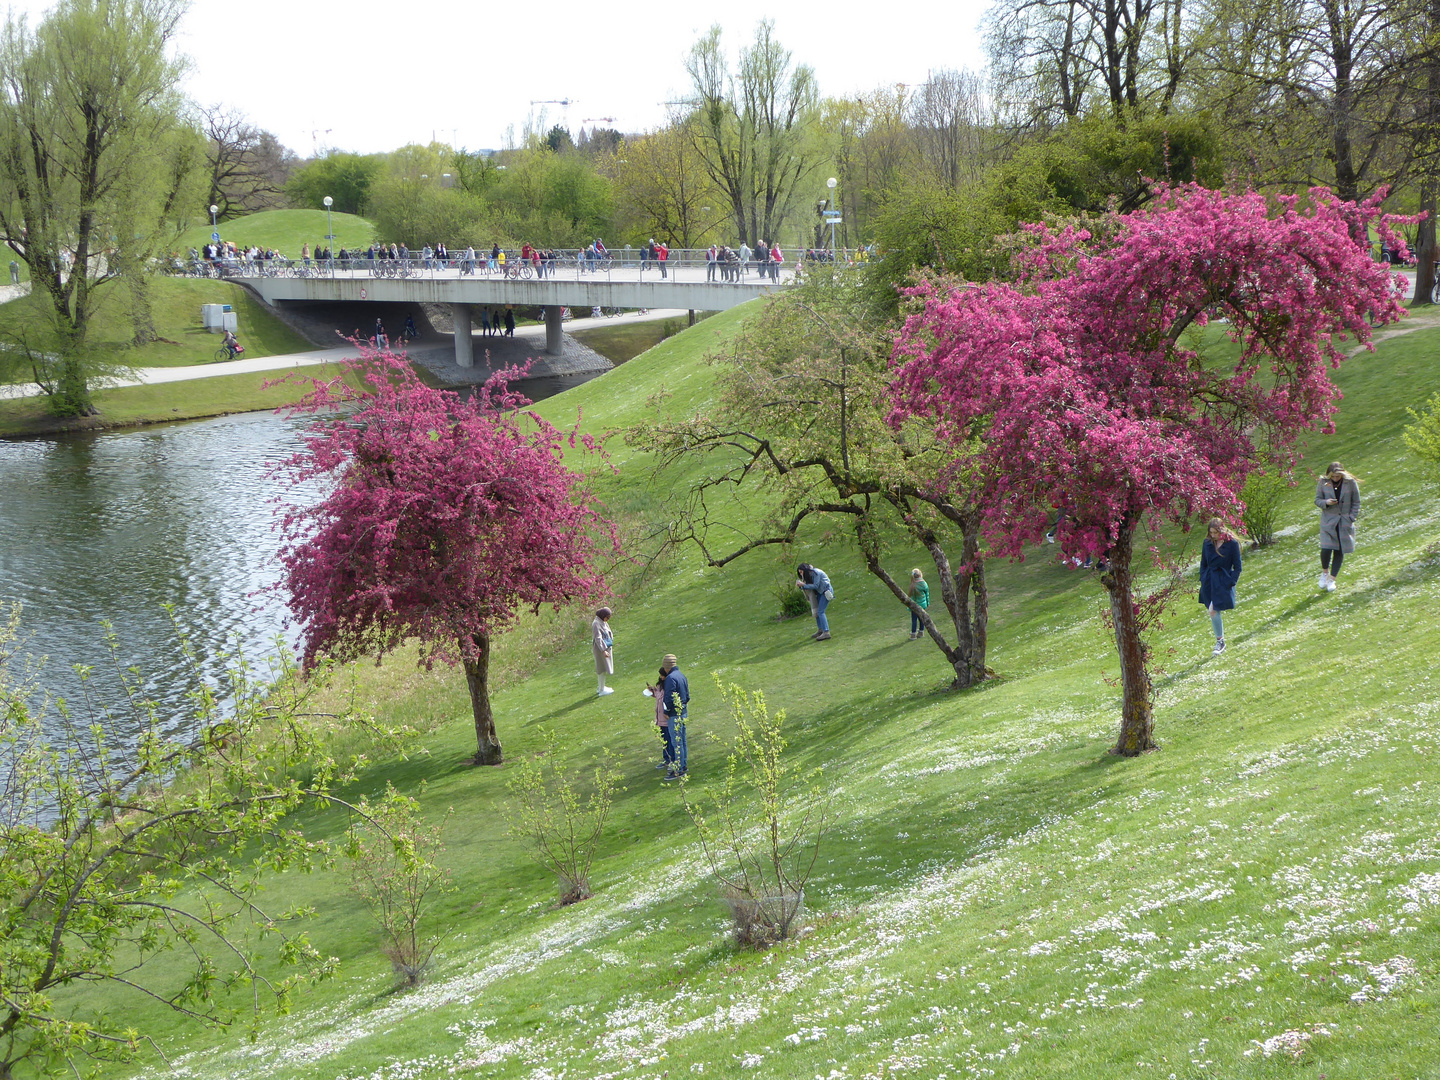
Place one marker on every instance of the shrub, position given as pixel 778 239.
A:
pixel 1261 494
pixel 561 827
pixel 761 827
pixel 1423 437
pixel 792 601
pixel 394 868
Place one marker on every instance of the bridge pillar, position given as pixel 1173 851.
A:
pixel 464 349
pixel 554 337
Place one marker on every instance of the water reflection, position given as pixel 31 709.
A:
pixel 114 525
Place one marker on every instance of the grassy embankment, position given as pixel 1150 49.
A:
pixel 622 341
pixel 284 230
pixel 999 895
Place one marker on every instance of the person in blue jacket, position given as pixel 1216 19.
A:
pixel 814 580
pixel 675 692
pixel 1219 572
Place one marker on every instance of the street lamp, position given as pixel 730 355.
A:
pixel 831 185
pixel 329 231
pixel 214 228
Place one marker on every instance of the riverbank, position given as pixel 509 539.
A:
pixel 163 402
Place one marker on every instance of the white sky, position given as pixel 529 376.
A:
pixel 368 76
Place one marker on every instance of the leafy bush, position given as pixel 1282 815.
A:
pixel 1423 436
pixel 792 601
pixel 561 827
pixel 1261 494
pixel 761 827
pixel 394 868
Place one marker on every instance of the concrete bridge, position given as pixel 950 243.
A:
pixel 685 285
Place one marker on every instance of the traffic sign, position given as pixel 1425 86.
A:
pixel 215 236
pixel 832 215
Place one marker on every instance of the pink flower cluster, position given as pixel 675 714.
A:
pixel 1083 388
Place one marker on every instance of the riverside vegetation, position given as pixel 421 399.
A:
pixel 999 895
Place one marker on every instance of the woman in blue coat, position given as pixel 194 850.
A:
pixel 1219 573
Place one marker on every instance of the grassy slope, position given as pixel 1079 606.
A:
pixel 175 305
pixel 283 230
pixel 1000 896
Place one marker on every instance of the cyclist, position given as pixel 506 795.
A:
pixel 231 344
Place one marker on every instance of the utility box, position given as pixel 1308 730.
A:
pixel 229 320
pixel 213 316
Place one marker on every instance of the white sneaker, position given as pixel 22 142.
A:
pixel 1219 646
pixel 1324 580
pixel 607 690
pixel 1329 584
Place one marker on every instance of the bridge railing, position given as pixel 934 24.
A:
pixel 689 265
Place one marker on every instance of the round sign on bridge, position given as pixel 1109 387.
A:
pixel 364 295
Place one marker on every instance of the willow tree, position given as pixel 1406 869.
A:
pixel 86 98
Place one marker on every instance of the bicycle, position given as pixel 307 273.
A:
pixel 223 354
pixel 519 271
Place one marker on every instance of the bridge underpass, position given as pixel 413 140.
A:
pixel 629 287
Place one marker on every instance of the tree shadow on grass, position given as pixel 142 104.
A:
pixel 563 710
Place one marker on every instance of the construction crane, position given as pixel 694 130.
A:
pixel 564 102
pixel 598 119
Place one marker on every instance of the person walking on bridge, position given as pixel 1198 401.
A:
pixel 662 253
pixel 710 262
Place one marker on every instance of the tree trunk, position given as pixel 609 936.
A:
pixel 1425 246
pixel 1137 722
pixel 477 677
pixel 142 320
pixel 967 658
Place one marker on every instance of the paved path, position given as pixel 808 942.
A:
pixel 288 361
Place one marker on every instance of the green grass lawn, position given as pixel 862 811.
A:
pixel 621 341
pixel 175 306
pixel 998 895
pixel 284 230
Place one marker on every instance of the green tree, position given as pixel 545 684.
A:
pixel 755 128
pixel 88 93
pixel 926 226
pixel 663 190
pixel 118 865
pixel 346 178
pixel 802 422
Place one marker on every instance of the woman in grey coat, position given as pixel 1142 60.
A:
pixel 1338 497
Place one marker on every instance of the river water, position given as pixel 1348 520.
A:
pixel 115 525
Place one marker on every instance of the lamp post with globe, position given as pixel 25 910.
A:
pixel 329 233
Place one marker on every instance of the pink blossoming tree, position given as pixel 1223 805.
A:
pixel 444 518
pixel 1084 386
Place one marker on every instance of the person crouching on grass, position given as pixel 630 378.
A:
pixel 1219 572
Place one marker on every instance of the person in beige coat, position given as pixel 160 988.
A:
pixel 1338 497
pixel 602 643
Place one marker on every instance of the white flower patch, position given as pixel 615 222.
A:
pixel 1422 891
pixel 1291 1042
pixel 1389 975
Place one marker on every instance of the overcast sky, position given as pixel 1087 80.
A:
pixel 368 76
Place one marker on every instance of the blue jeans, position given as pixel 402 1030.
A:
pixel 668 734
pixel 820 605
pixel 681 757
pixel 915 623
